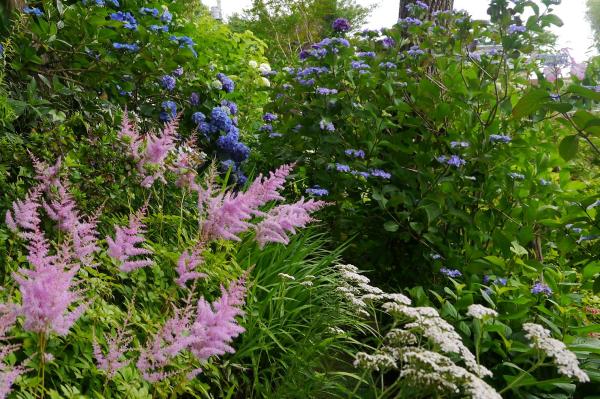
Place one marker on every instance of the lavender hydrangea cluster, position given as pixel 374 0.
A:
pixel 459 144
pixel 325 91
pixel 500 138
pixel 149 11
pixel 355 153
pixel 454 273
pixel 411 21
pixel 341 25
pixel 129 21
pixel 184 41
pixel 453 160
pixel 131 47
pixel 388 65
pixel 317 191
pixel 541 288
pixel 512 29
pixel 194 99
pixel 516 176
pixel 321 49
pixel 33 11
pixel 169 111
pixel 226 81
pixel 269 117
pixel 366 54
pixel 415 51
pixel 380 173
pixel 168 82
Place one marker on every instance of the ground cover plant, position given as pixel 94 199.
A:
pixel 402 213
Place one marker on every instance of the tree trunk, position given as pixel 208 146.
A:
pixel 434 5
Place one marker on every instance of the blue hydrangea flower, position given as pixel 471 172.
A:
pixel 269 117
pixel 184 41
pixel 459 144
pixel 545 182
pixel 157 28
pixel 168 82
pixel 198 117
pixel 381 174
pixel 366 54
pixel 355 153
pixel 328 126
pixel 178 71
pixel 456 161
pixel 450 272
pixel 275 135
pixel 126 46
pixel 541 288
pixel 166 17
pixel 127 18
pixel 317 191
pixel 220 118
pixel 341 25
pixel 325 91
pixel 194 99
pixel 233 108
pixel 387 65
pixel 152 11
pixel 342 168
pixel 228 84
pixel 512 29
pixel 228 164
pixel 240 152
pixel 169 111
pixel 516 176
pixel 266 128
pixel 411 21
pixel 499 138
pixel 501 281
pixel 33 11
pixel 415 51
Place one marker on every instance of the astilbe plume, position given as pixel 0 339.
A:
pixel 229 214
pixel 186 266
pixel 47 289
pixel 24 213
pixel 285 218
pixel 129 134
pixel 207 333
pixel 47 175
pixel 83 232
pixel 188 158
pixel 123 247
pixel 118 345
pixel 157 148
pixel 8 374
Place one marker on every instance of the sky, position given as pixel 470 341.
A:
pixel 575 34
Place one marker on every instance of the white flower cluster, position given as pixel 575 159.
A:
pixel 565 359
pixel 428 322
pixel 426 369
pixel 480 312
pixel 357 290
pixel 285 276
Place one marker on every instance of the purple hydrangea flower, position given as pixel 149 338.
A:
pixel 328 126
pixel 459 144
pixel 387 65
pixel 198 117
pixel 486 279
pixel 516 176
pixel 166 17
pixel 456 161
pixel 359 65
pixel 412 21
pixel 512 29
pixel 126 46
pixel 275 135
pixel 342 168
pixel 169 111
pixel 269 117
pixel 228 84
pixel 495 138
pixel 127 18
pixel 450 272
pixel 156 28
pixel 178 71
pixel 233 108
pixel 33 11
pixel 325 91
pixel 388 42
pixel 194 99
pixel 541 288
pixel 168 82
pixel 355 153
pixel 501 281
pixel 341 25
pixel 266 128
pixel 366 54
pixel 380 173
pixel 317 191
pixel 415 51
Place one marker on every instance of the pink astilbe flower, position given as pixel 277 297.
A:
pixel 24 213
pixel 186 266
pixel 47 175
pixel 184 165
pixel 228 213
pixel 123 247
pixel 118 345
pixel 83 232
pixel 284 219
pixel 215 325
pixel 8 316
pixel 46 290
pixel 207 333
pixel 8 374
pixel 157 148
pixel 129 134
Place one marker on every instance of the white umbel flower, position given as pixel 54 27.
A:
pixel 285 276
pixel 565 360
pixel 480 312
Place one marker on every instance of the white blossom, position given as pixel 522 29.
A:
pixel 481 312
pixel 563 358
pixel 285 276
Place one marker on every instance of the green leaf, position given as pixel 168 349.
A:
pixel 391 226
pixel 568 147
pixel 517 249
pixel 530 102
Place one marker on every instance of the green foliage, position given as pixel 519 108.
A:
pixel 287 26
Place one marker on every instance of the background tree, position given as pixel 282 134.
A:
pixel 287 26
pixel 593 15
pixel 434 5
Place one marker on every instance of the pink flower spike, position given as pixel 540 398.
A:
pixel 186 266
pixel 285 219
pixel 123 247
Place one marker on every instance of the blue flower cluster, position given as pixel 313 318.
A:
pixel 516 176
pixel 366 54
pixel 388 42
pixel 269 117
pixel 341 25
pixel 355 153
pixel 168 82
pixel 33 11
pixel 450 272
pixel 126 46
pixel 325 91
pixel 512 29
pixel 361 66
pixel 149 11
pixel 380 173
pixel 459 144
pixel 411 21
pixel 159 28
pixel 387 65
pixel 184 41
pixel 169 111
pixel 127 18
pixel 328 126
pixel 499 138
pixel 317 191
pixel 541 288
pixel 194 99
pixel 454 160
pixel 227 83
pixel 324 47
pixel 102 3
pixel 415 51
